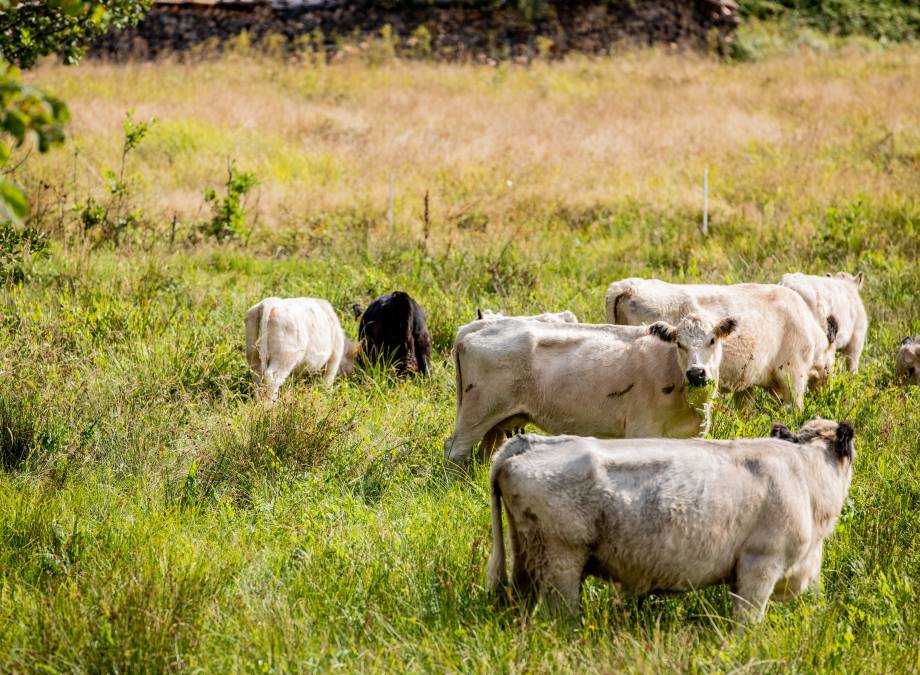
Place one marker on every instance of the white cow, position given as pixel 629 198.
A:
pixel 659 515
pixel 778 343
pixel 908 360
pixel 290 335
pixel 836 296
pixel 564 316
pixel 599 380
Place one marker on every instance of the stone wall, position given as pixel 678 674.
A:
pixel 457 32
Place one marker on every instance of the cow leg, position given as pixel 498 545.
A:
pixel 332 366
pixel 756 577
pixel 490 443
pixel 278 371
pixel 457 448
pixel 560 585
pixel 801 576
pixel 790 388
pixel 852 353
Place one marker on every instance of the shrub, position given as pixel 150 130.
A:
pixel 229 212
pixel 18 247
pixel 113 220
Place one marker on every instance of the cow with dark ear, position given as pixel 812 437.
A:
pixel 393 328
pixel 843 443
pixel 663 331
pixel 356 308
pixel 907 362
pixel 781 431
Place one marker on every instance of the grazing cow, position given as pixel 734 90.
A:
pixel 836 296
pixel 393 326
pixel 778 343
pixel 289 335
pixel 564 316
pixel 663 515
pixel 908 361
pixel 593 380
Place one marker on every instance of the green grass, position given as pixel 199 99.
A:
pixel 154 517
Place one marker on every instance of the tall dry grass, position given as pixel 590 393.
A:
pixel 781 137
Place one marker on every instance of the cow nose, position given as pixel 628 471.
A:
pixel 696 376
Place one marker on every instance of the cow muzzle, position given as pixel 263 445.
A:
pixel 696 377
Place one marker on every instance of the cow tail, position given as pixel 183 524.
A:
pixel 458 378
pixel 495 572
pixel 266 309
pixel 615 301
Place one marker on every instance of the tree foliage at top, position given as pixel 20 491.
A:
pixel 30 29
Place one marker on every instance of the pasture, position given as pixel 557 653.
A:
pixel 154 517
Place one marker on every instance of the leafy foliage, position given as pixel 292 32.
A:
pixel 26 113
pixel 229 219
pixel 888 19
pixel 18 246
pixel 30 29
pixel 114 219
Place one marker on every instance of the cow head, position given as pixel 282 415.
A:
pixel 856 279
pixel 699 345
pixel 349 357
pixel 836 439
pixel 907 364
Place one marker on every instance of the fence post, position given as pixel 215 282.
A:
pixel 390 211
pixel 706 202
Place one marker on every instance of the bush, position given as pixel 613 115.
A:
pixel 229 219
pixel 18 247
pixel 881 19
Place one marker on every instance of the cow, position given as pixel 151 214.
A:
pixel 564 316
pixel 393 327
pixel 666 515
pixel 597 380
pixel 290 335
pixel 778 344
pixel 838 296
pixel 907 364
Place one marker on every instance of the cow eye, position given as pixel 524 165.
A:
pixel 911 371
pixel 712 341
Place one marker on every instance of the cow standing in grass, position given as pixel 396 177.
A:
pixel 907 364
pixel 663 515
pixel 393 327
pixel 597 380
pixel 837 296
pixel 291 335
pixel 778 343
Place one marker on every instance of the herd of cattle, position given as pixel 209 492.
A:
pixel 659 509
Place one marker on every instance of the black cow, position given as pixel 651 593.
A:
pixel 393 326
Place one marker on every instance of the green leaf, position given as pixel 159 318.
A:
pixel 13 201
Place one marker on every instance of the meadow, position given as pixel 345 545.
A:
pixel 154 517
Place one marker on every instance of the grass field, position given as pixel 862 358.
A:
pixel 154 517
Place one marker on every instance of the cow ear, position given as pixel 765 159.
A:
pixel 843 443
pixel 726 327
pixel 479 314
pixel 782 432
pixel 664 331
pixel 356 308
pixel 906 340
pixel 832 328
pixel 858 279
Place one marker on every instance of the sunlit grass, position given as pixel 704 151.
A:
pixel 154 517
